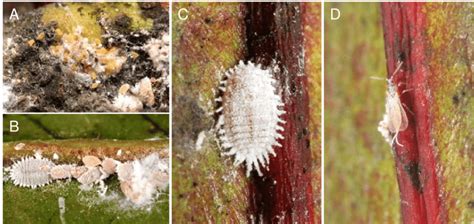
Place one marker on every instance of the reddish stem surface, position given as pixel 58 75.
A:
pixel 284 193
pixel 404 32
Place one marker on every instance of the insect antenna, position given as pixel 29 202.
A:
pixel 399 66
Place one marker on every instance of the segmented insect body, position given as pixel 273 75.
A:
pixel 77 171
pixel 31 172
pixel 61 171
pixel 398 117
pixel 109 165
pixel 92 175
pixel 395 118
pixel 91 161
pixel 249 120
pixel 141 179
pixel 125 171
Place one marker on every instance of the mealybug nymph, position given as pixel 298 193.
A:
pixel 249 113
pixel 31 172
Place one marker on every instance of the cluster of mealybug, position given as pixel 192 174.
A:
pixel 139 180
pixel 36 172
pixel 395 118
pixel 248 115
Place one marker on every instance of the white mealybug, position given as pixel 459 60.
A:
pixel 109 165
pixel 31 172
pixel 140 180
pixel 91 176
pixel 395 118
pixel 77 171
pixel 249 109
pixel 61 171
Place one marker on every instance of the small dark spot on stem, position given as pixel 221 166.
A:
pixel 470 204
pixel 148 5
pixel 305 131
pixel 300 135
pixel 207 20
pixel 300 117
pixel 401 56
pixel 414 172
pixel 455 99
pixel 293 87
pixel 80 10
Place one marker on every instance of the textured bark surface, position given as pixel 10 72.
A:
pixel 207 188
pixel 407 27
pixel 450 54
pixel 311 13
pixel 404 41
pixel 284 193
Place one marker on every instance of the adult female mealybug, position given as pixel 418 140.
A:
pixel 249 109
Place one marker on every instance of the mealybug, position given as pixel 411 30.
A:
pixel 249 113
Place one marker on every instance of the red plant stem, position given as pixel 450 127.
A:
pixel 404 32
pixel 284 193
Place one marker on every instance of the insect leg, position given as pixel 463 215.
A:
pixel 395 139
pixel 404 105
pixel 407 90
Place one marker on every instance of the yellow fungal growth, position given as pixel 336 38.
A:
pixel 31 42
pixel 134 55
pixel 124 89
pixel 95 85
pixel 69 15
pixel 59 34
pixel 89 57
pixel 102 51
pixel 110 67
pixel 92 74
pixel 40 36
pixel 109 60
